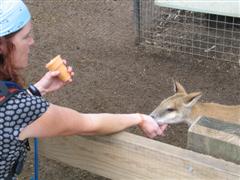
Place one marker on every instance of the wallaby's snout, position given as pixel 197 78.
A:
pixel 157 115
pixel 152 115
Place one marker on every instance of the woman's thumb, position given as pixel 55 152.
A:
pixel 54 73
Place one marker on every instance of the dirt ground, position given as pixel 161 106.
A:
pixel 112 74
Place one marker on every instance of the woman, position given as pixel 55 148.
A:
pixel 26 114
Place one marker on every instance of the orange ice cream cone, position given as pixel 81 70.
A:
pixel 56 64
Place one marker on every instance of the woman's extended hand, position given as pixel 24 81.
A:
pixel 50 81
pixel 150 127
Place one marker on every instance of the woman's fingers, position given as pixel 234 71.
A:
pixel 151 134
pixel 54 73
pixel 70 70
pixel 163 127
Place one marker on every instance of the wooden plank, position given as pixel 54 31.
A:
pixel 215 138
pixel 127 156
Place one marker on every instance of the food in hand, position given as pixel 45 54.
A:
pixel 56 64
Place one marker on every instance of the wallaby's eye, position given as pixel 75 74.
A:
pixel 170 109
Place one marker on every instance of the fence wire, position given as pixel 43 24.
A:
pixel 206 35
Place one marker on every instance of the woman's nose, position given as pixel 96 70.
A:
pixel 31 42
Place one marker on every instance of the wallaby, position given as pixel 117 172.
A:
pixel 184 107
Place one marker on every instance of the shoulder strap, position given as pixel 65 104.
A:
pixel 8 89
pixel 11 84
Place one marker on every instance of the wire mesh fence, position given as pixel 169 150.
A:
pixel 207 35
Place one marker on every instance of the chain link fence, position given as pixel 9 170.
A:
pixel 202 34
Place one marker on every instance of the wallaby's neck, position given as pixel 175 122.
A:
pixel 216 111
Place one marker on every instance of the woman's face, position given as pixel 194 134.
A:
pixel 22 40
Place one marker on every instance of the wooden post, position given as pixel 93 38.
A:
pixel 215 138
pixel 127 156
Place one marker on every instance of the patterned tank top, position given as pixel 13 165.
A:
pixel 15 114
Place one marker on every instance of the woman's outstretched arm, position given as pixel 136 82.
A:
pixel 62 121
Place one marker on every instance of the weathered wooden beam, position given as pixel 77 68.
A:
pixel 127 156
pixel 215 138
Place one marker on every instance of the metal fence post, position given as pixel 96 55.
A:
pixel 136 9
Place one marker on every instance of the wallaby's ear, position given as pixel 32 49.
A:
pixel 192 98
pixel 178 88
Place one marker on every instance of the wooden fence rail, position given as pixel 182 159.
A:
pixel 125 156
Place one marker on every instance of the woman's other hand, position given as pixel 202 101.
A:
pixel 150 127
pixel 50 81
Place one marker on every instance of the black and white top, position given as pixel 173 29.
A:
pixel 15 114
